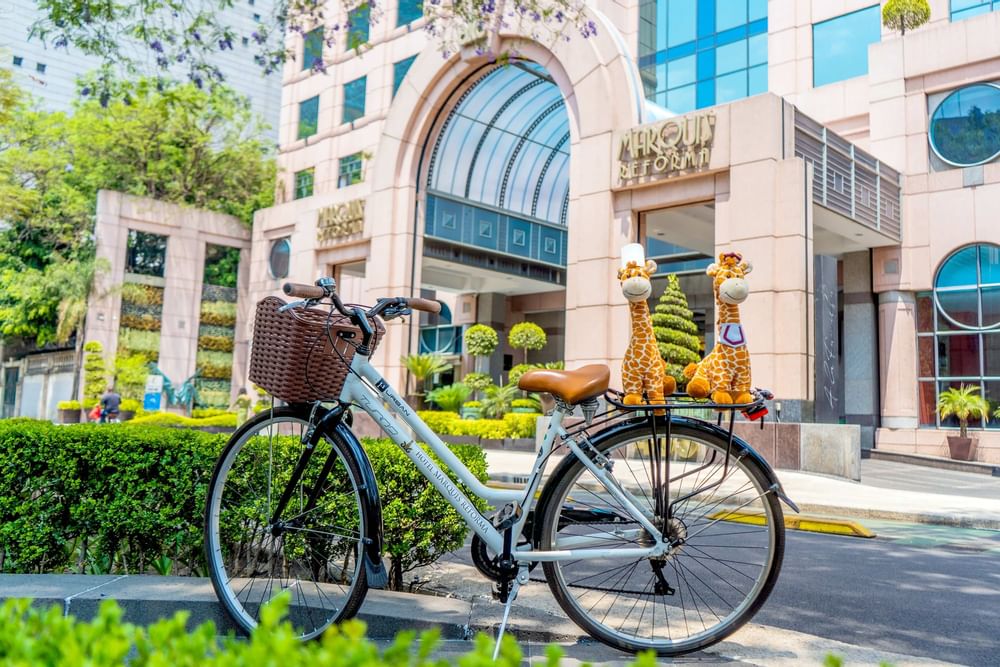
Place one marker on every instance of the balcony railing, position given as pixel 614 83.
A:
pixel 849 180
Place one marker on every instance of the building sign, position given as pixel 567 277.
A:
pixel 154 391
pixel 340 220
pixel 666 148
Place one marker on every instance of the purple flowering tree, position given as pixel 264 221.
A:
pixel 167 37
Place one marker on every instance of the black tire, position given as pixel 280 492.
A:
pixel 323 570
pixel 575 504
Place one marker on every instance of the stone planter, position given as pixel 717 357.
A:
pixel 472 413
pixel 125 415
pixel 69 416
pixel 962 449
pixel 524 411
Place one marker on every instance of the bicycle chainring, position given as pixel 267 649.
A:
pixel 488 564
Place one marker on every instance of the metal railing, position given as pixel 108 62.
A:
pixel 849 180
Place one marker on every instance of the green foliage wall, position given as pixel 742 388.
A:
pixel 95 373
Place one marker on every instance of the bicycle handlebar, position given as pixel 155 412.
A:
pixel 425 305
pixel 304 291
pixel 324 290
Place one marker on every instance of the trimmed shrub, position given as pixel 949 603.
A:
pixel 68 405
pixel 218 312
pixel 139 341
pixel 142 295
pixel 527 336
pixel 114 498
pixel 34 636
pixel 95 373
pixel 675 331
pixel 513 425
pixel 202 413
pixel 142 322
pixel 225 420
pixel 515 373
pixel 213 399
pixel 481 340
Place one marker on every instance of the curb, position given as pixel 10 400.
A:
pixel 812 524
pixel 977 467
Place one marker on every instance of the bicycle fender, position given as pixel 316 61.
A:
pixel 376 573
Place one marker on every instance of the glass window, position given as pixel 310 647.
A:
pixel 278 259
pixel 146 253
pixel 958 324
pixel 222 264
pixel 409 11
pixel 357 31
pixel 963 9
pixel 18 61
pixel 399 71
pixel 965 127
pixel 304 183
pixel 350 171
pixel 354 100
pixel 840 45
pixel 685 42
pixel 308 117
pixel 312 48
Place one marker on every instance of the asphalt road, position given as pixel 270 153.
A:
pixel 941 600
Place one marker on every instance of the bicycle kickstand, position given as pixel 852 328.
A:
pixel 522 576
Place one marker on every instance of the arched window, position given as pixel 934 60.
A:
pixel 958 331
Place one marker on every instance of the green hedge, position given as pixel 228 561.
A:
pixel 101 498
pixel 513 425
pixel 31 636
pixel 226 420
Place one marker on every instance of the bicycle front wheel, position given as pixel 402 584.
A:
pixel 725 526
pixel 312 550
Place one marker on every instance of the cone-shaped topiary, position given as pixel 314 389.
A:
pixel 675 330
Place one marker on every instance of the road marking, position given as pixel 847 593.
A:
pixel 812 524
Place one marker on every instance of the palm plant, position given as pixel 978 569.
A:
pixel 449 398
pixel 964 403
pixel 424 366
pixel 75 280
pixel 497 401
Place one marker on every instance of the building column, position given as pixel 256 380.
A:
pixel 898 359
pixel 766 215
pixel 861 381
pixel 829 405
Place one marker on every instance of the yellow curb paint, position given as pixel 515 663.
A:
pixel 813 524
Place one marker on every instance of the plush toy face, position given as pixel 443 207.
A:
pixel 636 285
pixel 730 278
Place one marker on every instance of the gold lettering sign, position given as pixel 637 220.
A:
pixel 666 148
pixel 339 220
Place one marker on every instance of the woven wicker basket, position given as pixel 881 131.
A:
pixel 291 356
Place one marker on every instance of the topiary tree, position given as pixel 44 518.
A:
pixel 526 336
pixel 903 15
pixel 477 382
pixel 480 341
pixel 675 331
pixel 95 373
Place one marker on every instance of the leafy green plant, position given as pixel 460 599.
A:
pixel 964 403
pixel 512 425
pixel 424 366
pixel 449 397
pixel 203 413
pixel 219 343
pixel 903 15
pixel 225 420
pixel 130 375
pixel 515 373
pixel 135 340
pixel 130 405
pixel 675 331
pixel 219 313
pixel 477 382
pixel 527 336
pixel 472 404
pixel 532 402
pixel 481 340
pixel 163 565
pixel 142 322
pixel 68 405
pixel 142 295
pixel 497 401
pixel 32 635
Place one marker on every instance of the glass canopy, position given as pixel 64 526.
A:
pixel 505 145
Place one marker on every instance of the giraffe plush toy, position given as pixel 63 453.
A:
pixel 643 370
pixel 725 372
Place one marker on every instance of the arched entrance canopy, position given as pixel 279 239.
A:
pixel 505 144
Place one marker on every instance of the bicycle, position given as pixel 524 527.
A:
pixel 656 531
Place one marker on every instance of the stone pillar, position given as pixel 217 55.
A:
pixel 829 406
pixel 898 359
pixel 861 382
pixel 767 216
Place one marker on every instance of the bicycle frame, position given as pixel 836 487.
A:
pixel 360 393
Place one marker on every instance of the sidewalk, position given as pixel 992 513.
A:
pixel 145 599
pixel 888 490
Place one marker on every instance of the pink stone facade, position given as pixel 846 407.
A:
pixel 759 189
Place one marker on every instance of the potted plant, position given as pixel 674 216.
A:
pixel 472 410
pixel 526 405
pixel 128 408
pixel 449 398
pixel 69 412
pixel 423 367
pixel 963 403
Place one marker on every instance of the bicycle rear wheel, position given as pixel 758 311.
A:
pixel 313 553
pixel 727 528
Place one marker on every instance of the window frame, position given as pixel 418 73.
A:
pixel 287 240
pixel 878 13
pixel 131 243
pixel 362 83
pixel 298 184
pixel 314 102
pixel 348 161
pixel 930 126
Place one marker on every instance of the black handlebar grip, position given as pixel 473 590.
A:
pixel 304 291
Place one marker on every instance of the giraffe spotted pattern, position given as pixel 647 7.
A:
pixel 725 372
pixel 643 370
